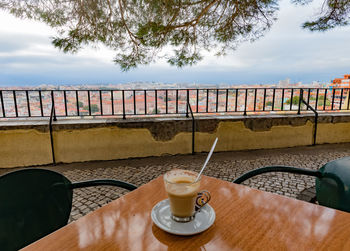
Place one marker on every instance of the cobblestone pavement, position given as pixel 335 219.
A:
pixel 226 166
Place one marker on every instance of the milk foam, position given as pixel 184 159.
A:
pixel 183 187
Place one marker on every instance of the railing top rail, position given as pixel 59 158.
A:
pixel 174 89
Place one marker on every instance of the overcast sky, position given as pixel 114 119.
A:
pixel 286 51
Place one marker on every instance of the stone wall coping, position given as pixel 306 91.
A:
pixel 91 122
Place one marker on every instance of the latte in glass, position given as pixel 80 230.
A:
pixel 182 192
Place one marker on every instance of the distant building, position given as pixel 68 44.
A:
pixel 341 82
pixel 284 83
pixel 343 95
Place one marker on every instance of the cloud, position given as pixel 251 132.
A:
pixel 27 57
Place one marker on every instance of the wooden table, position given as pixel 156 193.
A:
pixel 246 219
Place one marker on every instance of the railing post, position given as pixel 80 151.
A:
pixel 315 128
pixel 316 117
pixel 77 100
pixel 188 102
pixel 145 96
pixel 112 101
pixel 166 101
pixel 197 100
pixel 316 103
pixel 2 105
pixel 217 100
pixel 89 102
pixel 41 104
pixel 236 100
pixel 53 108
pixel 65 103
pixel 348 92
pixel 177 101
pixel 341 99
pixel 282 101
pixel 207 106
pixel 264 99
pixel 101 106
pixel 134 99
pixel 325 99
pixel 308 97
pixel 291 99
pixel 245 102
pixel 273 99
pixel 255 94
pixel 226 100
pixel 52 114
pixel 333 96
pixel 28 104
pixel 15 102
pixel 193 128
pixel 156 100
pixel 301 93
pixel 123 96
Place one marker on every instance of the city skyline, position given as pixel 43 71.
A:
pixel 28 58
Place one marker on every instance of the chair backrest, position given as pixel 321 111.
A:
pixel 332 181
pixel 33 203
pixel 333 189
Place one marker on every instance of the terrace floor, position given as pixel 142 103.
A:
pixel 224 165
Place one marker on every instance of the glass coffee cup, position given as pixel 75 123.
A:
pixel 182 189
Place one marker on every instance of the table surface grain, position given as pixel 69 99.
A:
pixel 246 219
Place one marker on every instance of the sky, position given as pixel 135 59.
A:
pixel 27 57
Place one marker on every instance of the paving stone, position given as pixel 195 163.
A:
pixel 225 165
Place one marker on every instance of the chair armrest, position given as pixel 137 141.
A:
pixel 268 169
pixel 116 183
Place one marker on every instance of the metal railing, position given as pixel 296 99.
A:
pixel 167 102
pixel 193 128
pixel 52 117
pixel 301 100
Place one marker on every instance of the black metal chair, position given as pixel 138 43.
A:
pixel 332 181
pixel 36 202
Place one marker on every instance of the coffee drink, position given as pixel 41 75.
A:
pixel 182 191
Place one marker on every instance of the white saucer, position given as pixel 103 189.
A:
pixel 161 216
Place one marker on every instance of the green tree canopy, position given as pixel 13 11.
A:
pixel 295 100
pixel 94 108
pixel 140 31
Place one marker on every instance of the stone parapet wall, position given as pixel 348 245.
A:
pixel 28 143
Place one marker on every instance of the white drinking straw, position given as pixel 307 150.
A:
pixel 206 161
